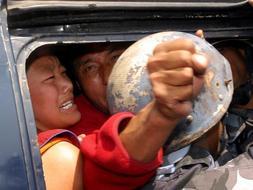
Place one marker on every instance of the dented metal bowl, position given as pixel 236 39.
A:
pixel 129 88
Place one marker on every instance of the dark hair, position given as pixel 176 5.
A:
pixel 68 55
pixel 37 53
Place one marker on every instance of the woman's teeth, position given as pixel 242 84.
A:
pixel 67 105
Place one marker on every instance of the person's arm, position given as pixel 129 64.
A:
pixel 107 163
pixel 127 158
pixel 176 74
pixel 62 166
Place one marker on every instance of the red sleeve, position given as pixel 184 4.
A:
pixel 91 118
pixel 107 164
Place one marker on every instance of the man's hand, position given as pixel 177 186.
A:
pixel 176 73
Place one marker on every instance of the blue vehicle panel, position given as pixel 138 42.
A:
pixel 19 169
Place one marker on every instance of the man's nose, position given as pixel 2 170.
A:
pixel 106 73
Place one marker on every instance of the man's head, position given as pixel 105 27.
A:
pixel 236 59
pixel 51 93
pixel 240 56
pixel 93 68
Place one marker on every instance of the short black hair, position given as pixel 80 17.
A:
pixel 37 53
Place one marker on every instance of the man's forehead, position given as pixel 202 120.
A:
pixel 99 47
pixel 89 51
pixel 95 51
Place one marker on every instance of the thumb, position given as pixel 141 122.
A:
pixel 200 33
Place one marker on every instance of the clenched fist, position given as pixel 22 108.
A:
pixel 176 73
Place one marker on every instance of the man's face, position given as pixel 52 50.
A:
pixel 93 72
pixel 51 94
pixel 236 59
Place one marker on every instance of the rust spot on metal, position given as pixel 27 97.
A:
pixel 227 82
pixel 208 78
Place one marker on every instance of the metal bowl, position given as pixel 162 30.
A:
pixel 129 88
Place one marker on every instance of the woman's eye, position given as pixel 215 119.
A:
pixel 64 73
pixel 49 78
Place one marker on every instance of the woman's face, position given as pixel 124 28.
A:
pixel 51 94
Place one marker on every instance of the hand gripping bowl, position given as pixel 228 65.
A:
pixel 129 88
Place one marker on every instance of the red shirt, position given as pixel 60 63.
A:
pixel 91 118
pixel 107 165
